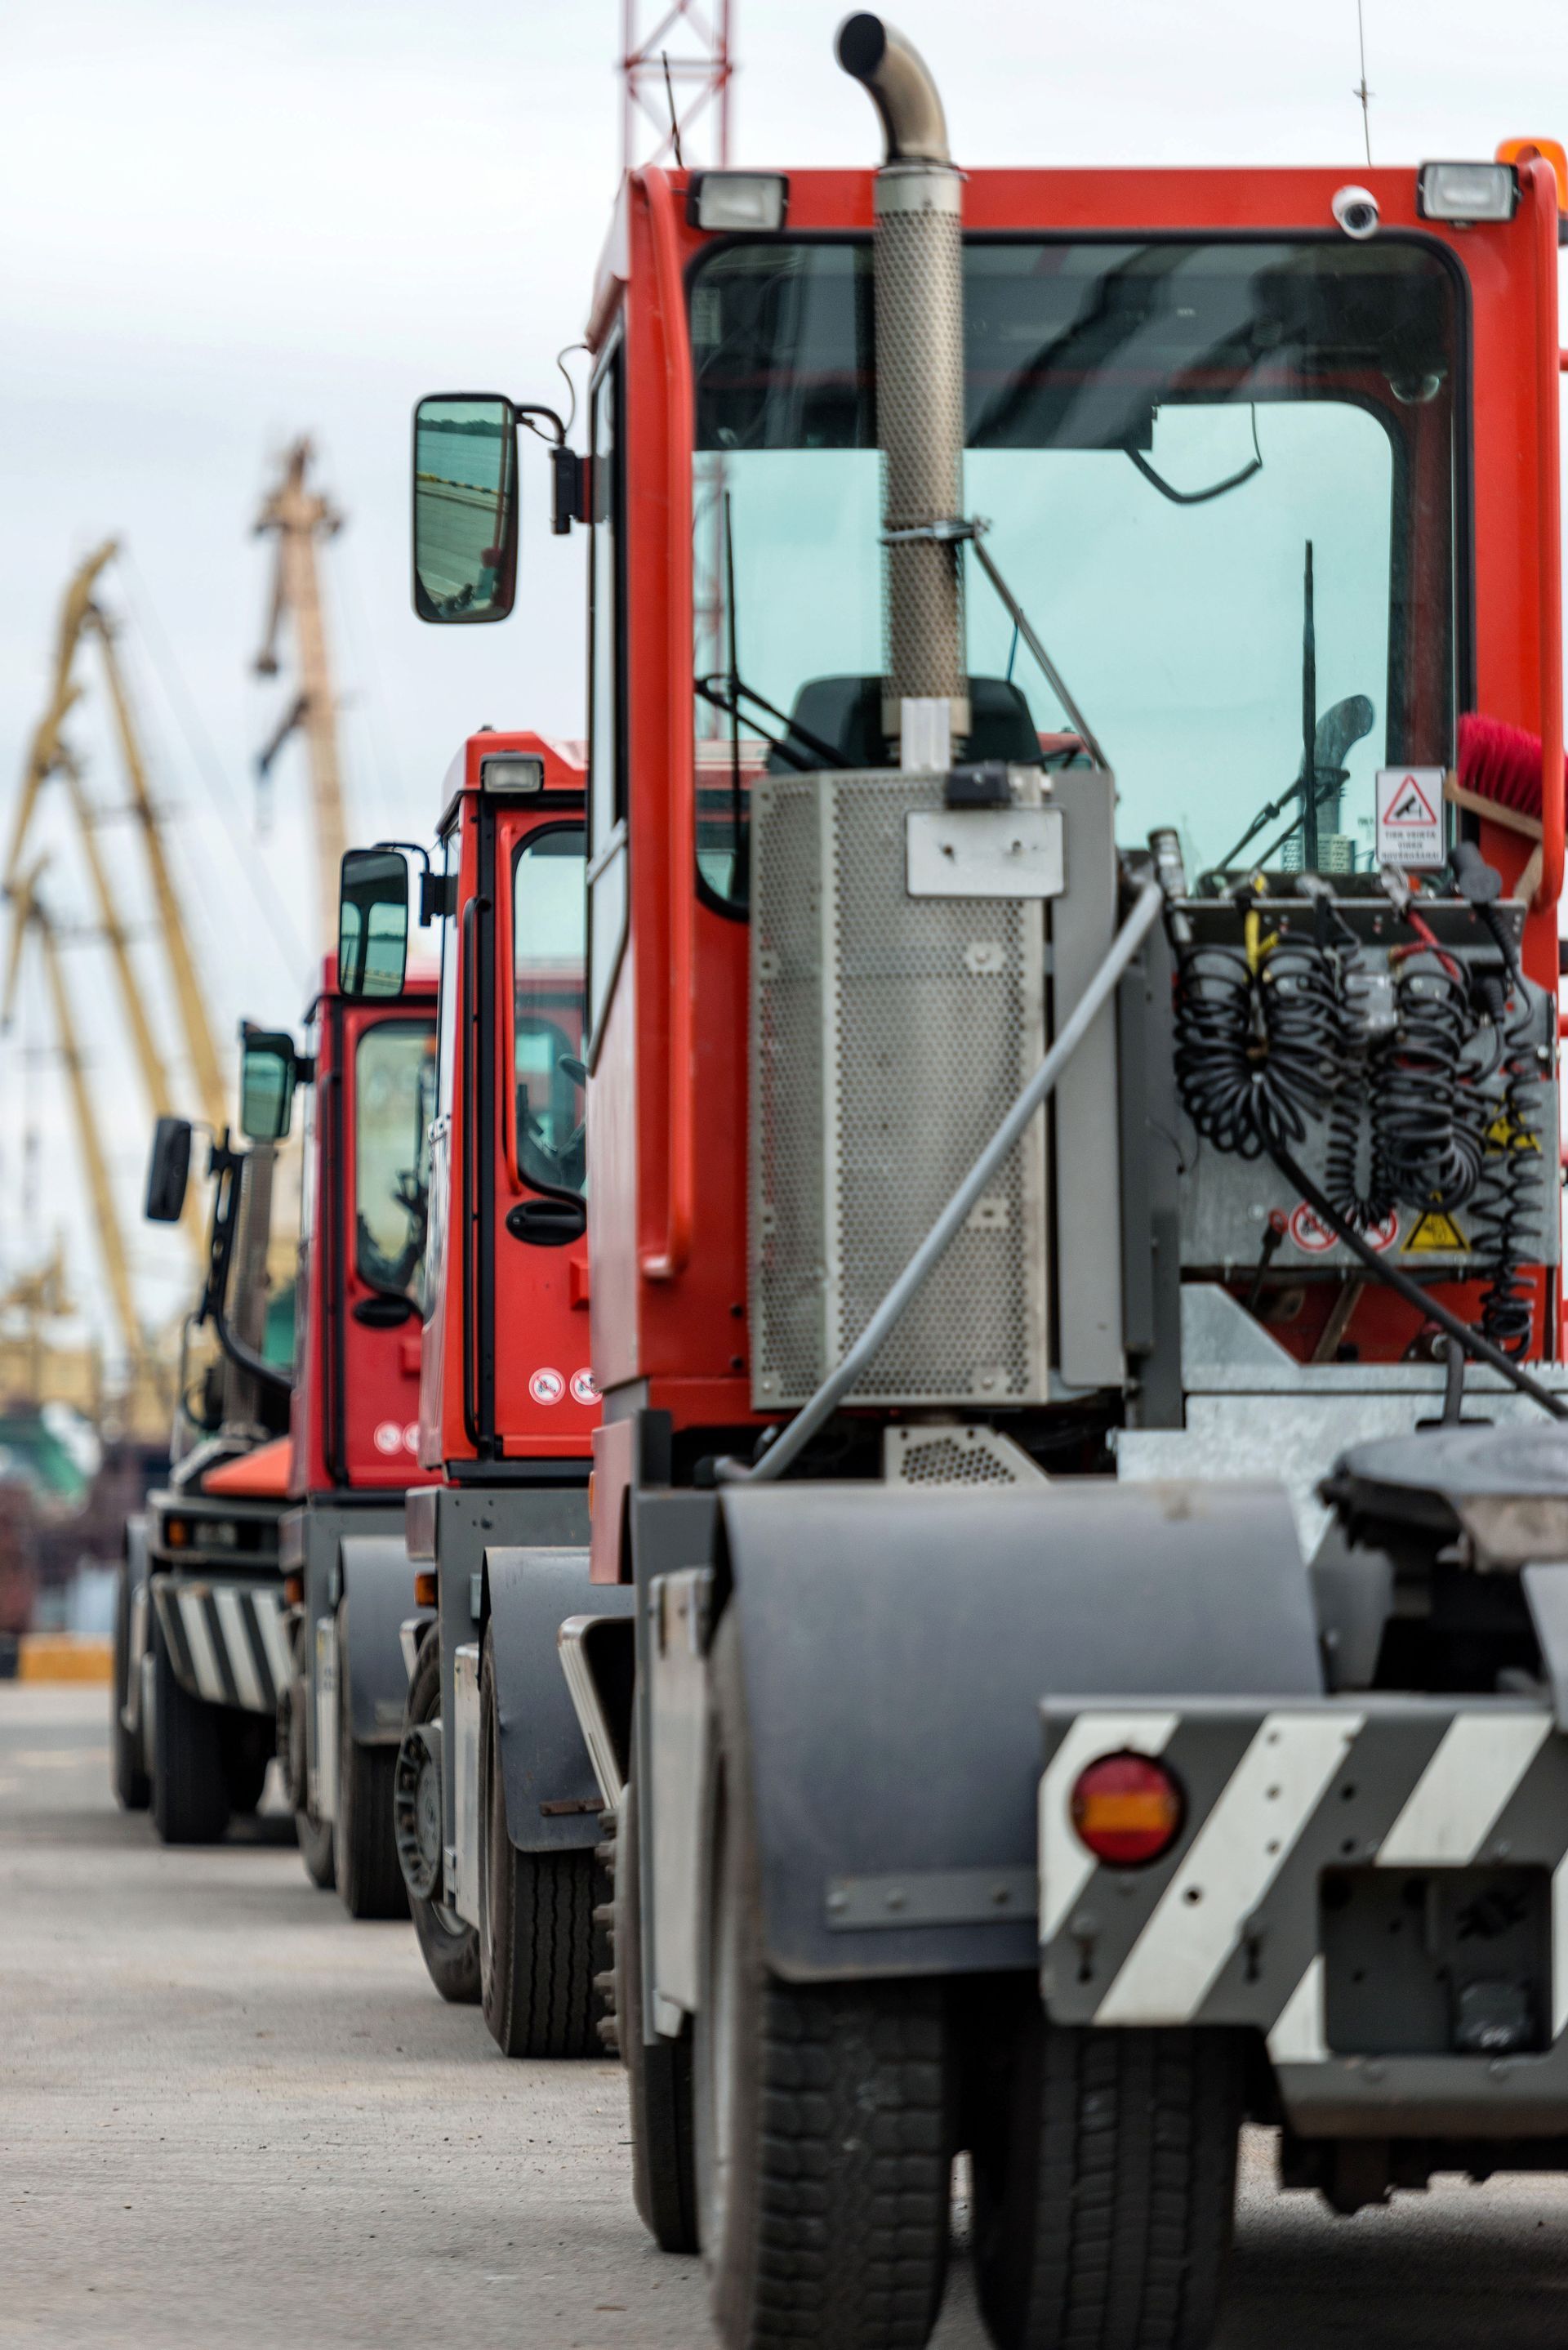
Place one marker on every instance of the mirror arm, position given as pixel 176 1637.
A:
pixel 240 1355
pixel 523 409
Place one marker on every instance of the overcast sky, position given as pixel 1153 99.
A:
pixel 226 222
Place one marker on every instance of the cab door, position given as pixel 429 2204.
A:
pixel 538 1399
pixel 380 1109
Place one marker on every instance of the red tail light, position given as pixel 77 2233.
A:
pixel 1127 1809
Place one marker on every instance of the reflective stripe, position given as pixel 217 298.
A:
pixel 236 1640
pixel 1459 1796
pixel 1235 1858
pixel 1298 2036
pixel 269 1616
pixel 199 1640
pixel 1065 1863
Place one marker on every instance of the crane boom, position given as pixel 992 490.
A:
pixel 299 515
pixel 200 1043
pixel 32 915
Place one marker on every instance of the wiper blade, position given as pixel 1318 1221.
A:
pixel 716 689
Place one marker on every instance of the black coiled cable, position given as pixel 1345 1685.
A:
pixel 1506 1214
pixel 1426 1121
pixel 1218 1039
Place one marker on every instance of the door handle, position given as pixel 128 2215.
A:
pixel 547 1224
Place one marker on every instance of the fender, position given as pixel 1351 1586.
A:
pixel 553 1800
pixel 896 1647
pixel 375 1584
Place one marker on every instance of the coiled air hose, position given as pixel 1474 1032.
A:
pixel 1270 1037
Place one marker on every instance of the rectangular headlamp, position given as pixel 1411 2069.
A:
pixel 758 201
pixel 1467 191
pixel 511 771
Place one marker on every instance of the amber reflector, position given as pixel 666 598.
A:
pixel 425 1586
pixel 1127 1809
pixel 293 1590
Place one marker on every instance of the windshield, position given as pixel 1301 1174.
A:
pixel 1219 478
pixel 548 916
pixel 394 1071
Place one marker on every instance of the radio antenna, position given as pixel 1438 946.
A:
pixel 1361 90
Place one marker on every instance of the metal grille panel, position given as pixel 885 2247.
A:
pixel 890 1036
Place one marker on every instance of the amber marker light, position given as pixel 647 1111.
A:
pixel 1127 1809
pixel 425 1588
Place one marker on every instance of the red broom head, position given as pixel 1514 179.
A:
pixel 1501 764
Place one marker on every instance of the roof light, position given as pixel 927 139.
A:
pixel 1467 191
pixel 1543 150
pixel 738 200
pixel 1127 1809
pixel 511 771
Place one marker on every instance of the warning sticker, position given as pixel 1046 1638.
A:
pixel 1410 816
pixel 1313 1237
pixel 1436 1234
pixel 1503 1136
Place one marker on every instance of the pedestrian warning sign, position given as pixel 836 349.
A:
pixel 1436 1234
pixel 1410 816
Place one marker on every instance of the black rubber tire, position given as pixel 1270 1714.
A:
pixel 451 1958
pixel 536 1962
pixel 364 1846
pixel 190 1799
pixel 133 1787
pixel 823 2205
pixel 248 1741
pixel 1105 2183
pixel 659 2078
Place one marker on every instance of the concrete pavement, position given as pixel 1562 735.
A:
pixel 231 2118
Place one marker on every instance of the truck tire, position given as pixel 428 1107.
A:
pixel 1104 2184
pixel 659 2078
pixel 535 1920
pixel 133 1787
pixel 823 2156
pixel 451 1956
pixel 364 1847
pixel 190 1799
pixel 247 1741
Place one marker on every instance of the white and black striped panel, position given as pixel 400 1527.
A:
pixel 227 1641
pixel 1226 1930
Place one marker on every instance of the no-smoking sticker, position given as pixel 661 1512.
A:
pixel 546 1387
pixel 583 1388
pixel 1410 816
pixel 1313 1237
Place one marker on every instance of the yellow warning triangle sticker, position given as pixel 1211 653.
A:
pixel 1438 1233
pixel 1501 1135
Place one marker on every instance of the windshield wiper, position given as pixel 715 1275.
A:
pixel 727 693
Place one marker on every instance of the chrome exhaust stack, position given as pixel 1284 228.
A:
pixel 919 263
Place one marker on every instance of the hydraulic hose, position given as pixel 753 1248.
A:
pixel 1411 1290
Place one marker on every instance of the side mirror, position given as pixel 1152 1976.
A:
pixel 465 507
pixel 373 922
pixel 169 1172
pixel 267 1072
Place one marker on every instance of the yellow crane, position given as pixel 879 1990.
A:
pixel 298 516
pixel 49 754
pixel 30 915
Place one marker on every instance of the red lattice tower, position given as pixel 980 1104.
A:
pixel 675 79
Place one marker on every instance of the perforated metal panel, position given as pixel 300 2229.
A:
pixel 949 1453
pixel 890 1036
